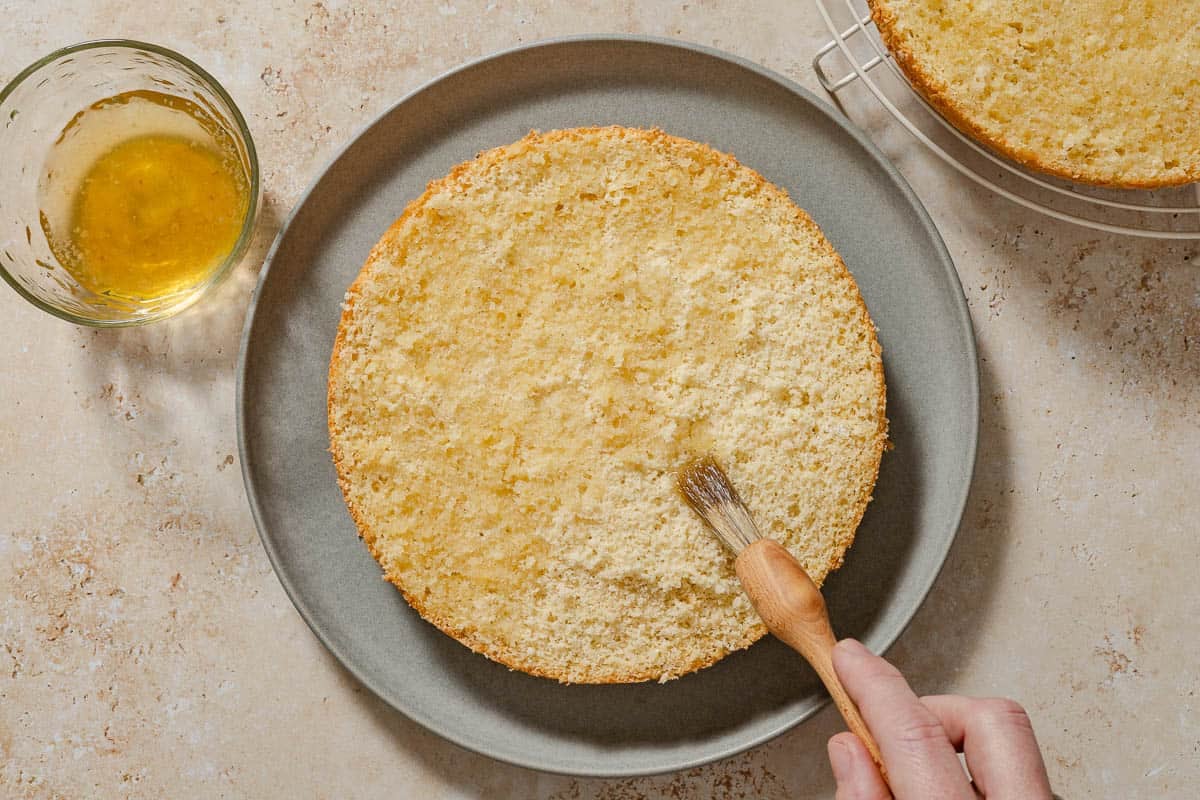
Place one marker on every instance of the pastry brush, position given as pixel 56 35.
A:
pixel 790 604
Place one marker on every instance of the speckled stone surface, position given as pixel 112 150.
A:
pixel 147 650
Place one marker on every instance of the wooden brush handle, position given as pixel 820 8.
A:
pixel 792 608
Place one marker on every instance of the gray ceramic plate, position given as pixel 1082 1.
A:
pixel 797 142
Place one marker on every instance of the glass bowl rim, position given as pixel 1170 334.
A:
pixel 252 208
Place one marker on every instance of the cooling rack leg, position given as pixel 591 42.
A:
pixel 832 85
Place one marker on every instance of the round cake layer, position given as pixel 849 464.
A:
pixel 1105 92
pixel 534 348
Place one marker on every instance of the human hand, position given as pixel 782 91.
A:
pixel 919 739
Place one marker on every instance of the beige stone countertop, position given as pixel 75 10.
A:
pixel 148 651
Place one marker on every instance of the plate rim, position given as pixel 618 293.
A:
pixel 962 318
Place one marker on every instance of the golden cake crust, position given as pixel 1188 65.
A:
pixel 349 348
pixel 1114 105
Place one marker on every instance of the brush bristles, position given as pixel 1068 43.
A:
pixel 708 491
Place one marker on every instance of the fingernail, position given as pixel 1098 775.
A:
pixel 853 646
pixel 841 759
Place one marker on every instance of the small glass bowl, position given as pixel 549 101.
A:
pixel 34 109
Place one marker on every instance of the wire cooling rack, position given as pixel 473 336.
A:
pixel 856 56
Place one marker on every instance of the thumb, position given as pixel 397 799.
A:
pixel 855 772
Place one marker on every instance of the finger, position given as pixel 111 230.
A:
pixel 920 759
pixel 997 738
pixel 855 772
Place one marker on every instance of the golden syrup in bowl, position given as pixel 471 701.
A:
pixel 143 197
